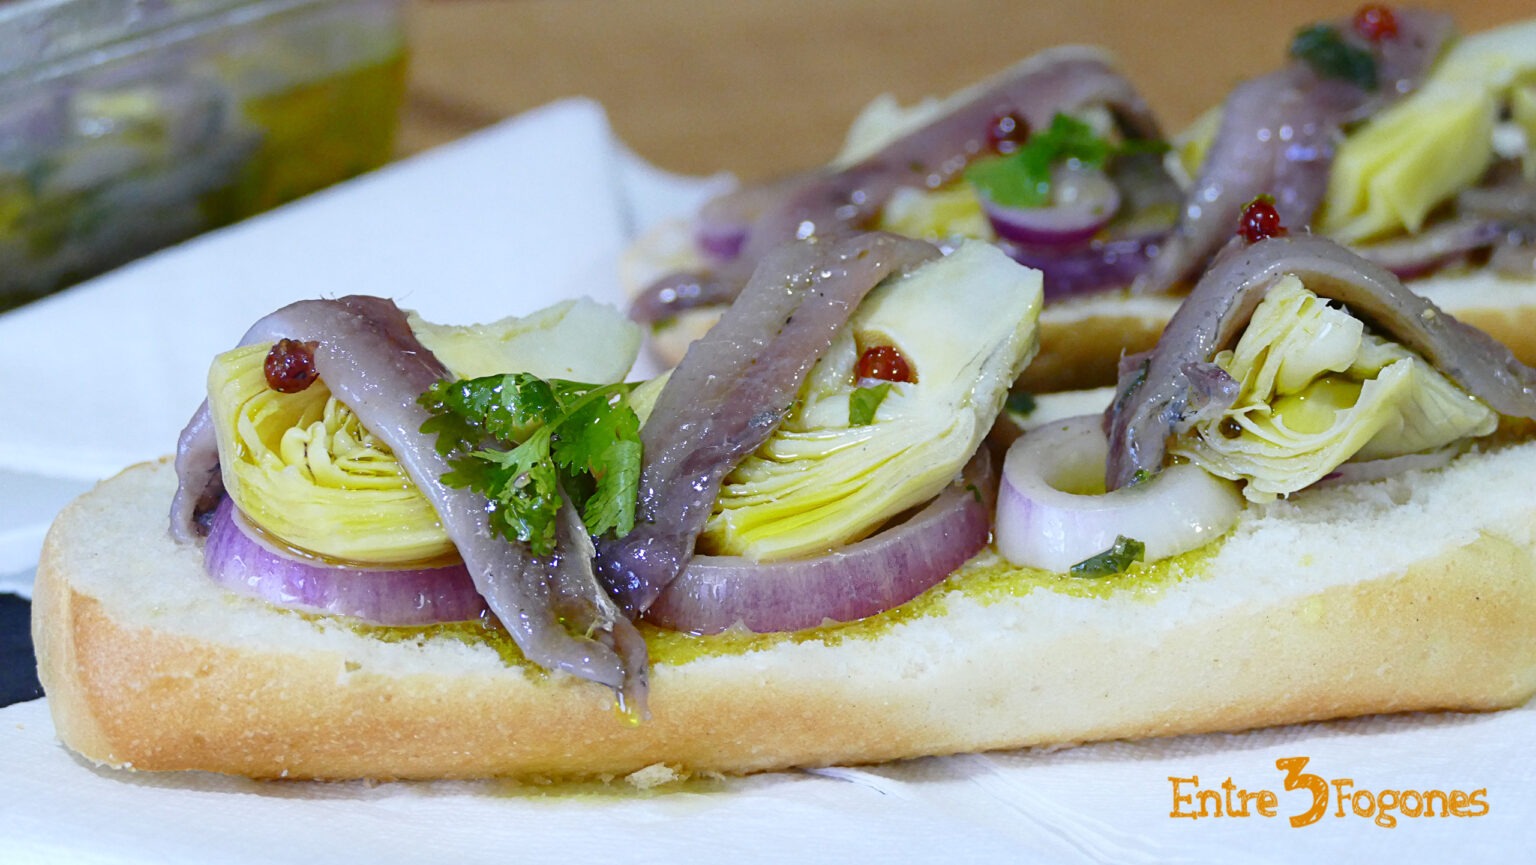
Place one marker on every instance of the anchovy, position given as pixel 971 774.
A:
pixel 367 355
pixel 731 391
pixel 1156 396
pixel 829 202
pixel 1277 137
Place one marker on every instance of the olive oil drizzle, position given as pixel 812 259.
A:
pixel 987 579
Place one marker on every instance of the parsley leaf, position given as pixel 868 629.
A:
pixel 864 402
pixel 1324 49
pixel 1023 178
pixel 1020 402
pixel 1115 560
pixel 521 441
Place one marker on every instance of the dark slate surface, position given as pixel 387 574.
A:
pixel 18 666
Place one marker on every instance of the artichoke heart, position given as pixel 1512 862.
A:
pixel 301 467
pixel 304 470
pixel 937 215
pixel 1316 390
pixel 1392 171
pixel 966 325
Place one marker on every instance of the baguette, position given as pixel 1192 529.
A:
pixel 1413 593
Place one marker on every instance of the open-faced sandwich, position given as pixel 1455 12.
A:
pixel 1385 132
pixel 393 550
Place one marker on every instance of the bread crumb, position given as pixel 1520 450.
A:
pixel 652 776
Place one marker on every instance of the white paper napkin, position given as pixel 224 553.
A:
pixel 505 222
pixel 105 374
pixel 1097 803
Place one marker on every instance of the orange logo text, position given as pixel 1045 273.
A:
pixel 1319 797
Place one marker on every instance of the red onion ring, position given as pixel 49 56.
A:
pixel 242 563
pixel 1042 525
pixel 1083 201
pixel 883 571
pixel 1375 470
pixel 720 243
pixel 1418 254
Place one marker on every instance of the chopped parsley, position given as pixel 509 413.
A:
pixel 1116 560
pixel 1324 48
pixel 1023 178
pixel 1020 403
pixel 864 402
pixel 520 441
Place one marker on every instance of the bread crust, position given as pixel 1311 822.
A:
pixel 133 682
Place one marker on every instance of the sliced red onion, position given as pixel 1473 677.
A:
pixel 1518 260
pixel 1040 524
pixel 721 243
pixel 1083 201
pixel 241 562
pixel 883 571
pixel 1375 470
pixel 1096 266
pixel 1505 195
pixel 1435 247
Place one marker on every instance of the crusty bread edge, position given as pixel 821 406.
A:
pixel 1450 632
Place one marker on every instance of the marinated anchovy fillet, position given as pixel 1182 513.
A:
pixel 749 223
pixel 1154 398
pixel 368 356
pixel 733 389
pixel 1315 390
pixel 1277 137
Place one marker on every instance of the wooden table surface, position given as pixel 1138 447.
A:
pixel 761 88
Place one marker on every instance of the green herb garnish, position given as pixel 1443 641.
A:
pixel 1324 49
pixel 520 441
pixel 1023 178
pixel 1020 403
pixel 864 402
pixel 1115 560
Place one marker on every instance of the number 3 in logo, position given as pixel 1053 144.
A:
pixel 1295 779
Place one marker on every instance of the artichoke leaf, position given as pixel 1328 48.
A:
pixel 966 324
pixel 1407 160
pixel 1317 390
pixel 937 215
pixel 576 340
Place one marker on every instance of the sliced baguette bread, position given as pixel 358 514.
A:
pixel 1413 593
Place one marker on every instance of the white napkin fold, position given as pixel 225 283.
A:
pixel 1098 803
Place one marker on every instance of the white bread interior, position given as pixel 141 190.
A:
pixel 1082 339
pixel 1414 593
